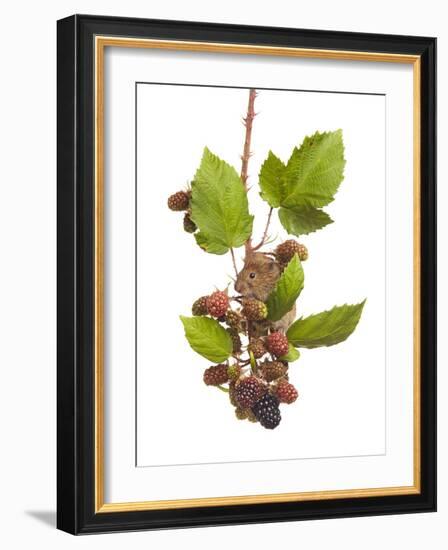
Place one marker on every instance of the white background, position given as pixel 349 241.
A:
pixel 27 295
pixel 344 265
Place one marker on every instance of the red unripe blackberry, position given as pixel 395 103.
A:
pixel 286 392
pixel 267 411
pixel 254 310
pixel 217 303
pixel 189 225
pixel 277 344
pixel 273 370
pixel 179 201
pixel 248 391
pixel 257 347
pixel 284 252
pixel 216 375
pixel 200 306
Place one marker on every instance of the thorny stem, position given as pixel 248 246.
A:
pixel 248 121
pixel 265 234
pixel 234 262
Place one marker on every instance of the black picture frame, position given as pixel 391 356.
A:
pixel 75 296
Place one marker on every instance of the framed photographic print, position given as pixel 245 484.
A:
pixel 246 274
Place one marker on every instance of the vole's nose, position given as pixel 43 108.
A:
pixel 239 287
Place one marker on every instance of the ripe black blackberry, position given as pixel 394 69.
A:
pixel 267 411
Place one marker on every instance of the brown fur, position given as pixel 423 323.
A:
pixel 266 273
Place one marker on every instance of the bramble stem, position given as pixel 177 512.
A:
pixel 265 234
pixel 234 262
pixel 248 121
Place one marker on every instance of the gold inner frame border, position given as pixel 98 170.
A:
pixel 100 43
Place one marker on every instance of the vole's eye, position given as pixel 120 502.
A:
pixel 252 275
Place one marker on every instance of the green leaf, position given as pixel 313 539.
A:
pixel 271 180
pixel 292 355
pixel 219 206
pixel 208 338
pixel 286 291
pixel 315 171
pixel 209 245
pixel 301 220
pixel 326 328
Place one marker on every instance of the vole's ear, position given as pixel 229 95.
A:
pixel 273 267
pixel 249 256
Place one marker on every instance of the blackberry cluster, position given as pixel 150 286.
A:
pixel 257 384
pixel 257 379
pixel 256 375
